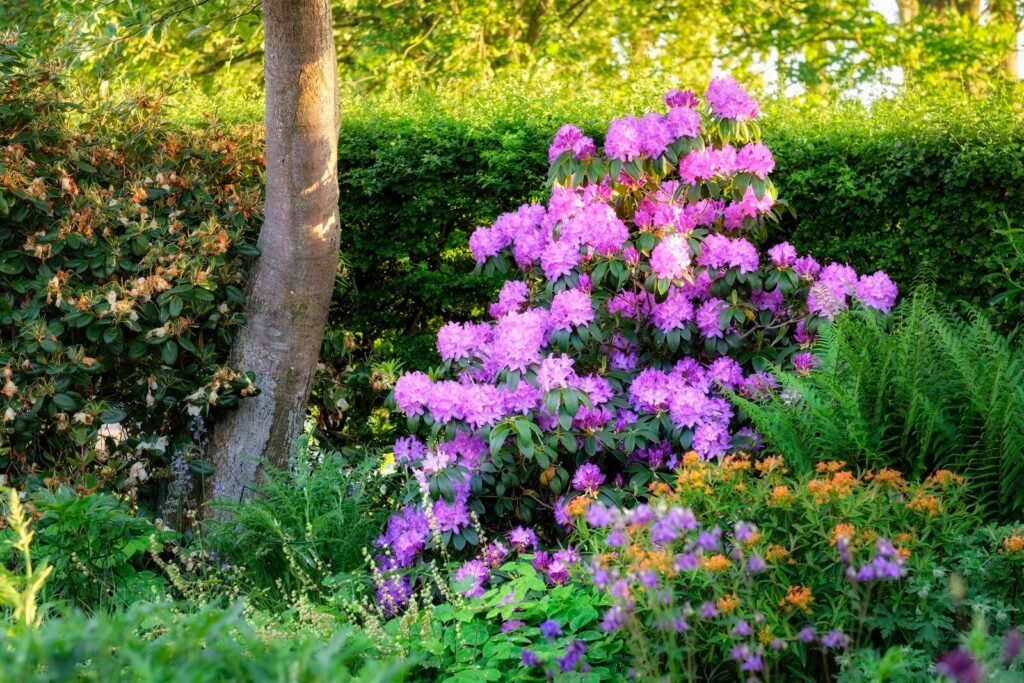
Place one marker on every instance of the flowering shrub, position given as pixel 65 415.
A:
pixel 643 299
pixel 122 267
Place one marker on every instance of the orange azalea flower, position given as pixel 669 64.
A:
pixel 717 563
pixel 728 603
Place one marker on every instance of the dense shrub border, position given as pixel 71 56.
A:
pixel 914 185
pixel 124 244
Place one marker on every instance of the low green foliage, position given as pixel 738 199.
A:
pixel 791 555
pixel 152 643
pixel 303 524
pixel 98 548
pixel 920 390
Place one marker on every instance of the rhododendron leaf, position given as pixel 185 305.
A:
pixel 169 352
pixel 569 442
pixel 497 437
pixel 544 457
pixel 570 402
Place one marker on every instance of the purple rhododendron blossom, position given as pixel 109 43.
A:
pixel 729 100
pixel 614 308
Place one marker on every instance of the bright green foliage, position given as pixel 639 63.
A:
pixel 478 650
pixel 98 549
pixel 818 45
pixel 20 590
pixel 918 182
pixel 1009 279
pixel 304 524
pixel 160 644
pixel 123 251
pixel 920 391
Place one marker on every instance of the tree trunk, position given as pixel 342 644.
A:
pixel 1005 13
pixel 291 282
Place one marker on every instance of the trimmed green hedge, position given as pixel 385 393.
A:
pixel 913 186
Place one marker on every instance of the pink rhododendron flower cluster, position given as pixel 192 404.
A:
pixel 644 296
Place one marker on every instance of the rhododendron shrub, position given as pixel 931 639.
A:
pixel 641 297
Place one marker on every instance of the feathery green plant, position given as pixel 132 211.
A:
pixel 918 390
pixel 19 590
pixel 313 518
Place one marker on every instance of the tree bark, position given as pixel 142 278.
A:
pixel 291 282
pixel 1005 13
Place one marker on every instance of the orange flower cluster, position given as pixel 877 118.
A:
pixel 925 504
pixel 1014 543
pixel 728 603
pixel 797 598
pixel 577 507
pixel 887 478
pixel 945 479
pixel 843 530
pixel 658 560
pixel 781 496
pixel 837 483
pixel 716 563
pixel 775 553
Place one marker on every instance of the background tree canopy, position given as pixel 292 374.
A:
pixel 796 45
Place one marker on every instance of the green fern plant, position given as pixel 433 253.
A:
pixel 312 519
pixel 19 591
pixel 919 390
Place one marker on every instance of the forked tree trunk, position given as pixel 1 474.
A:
pixel 291 282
